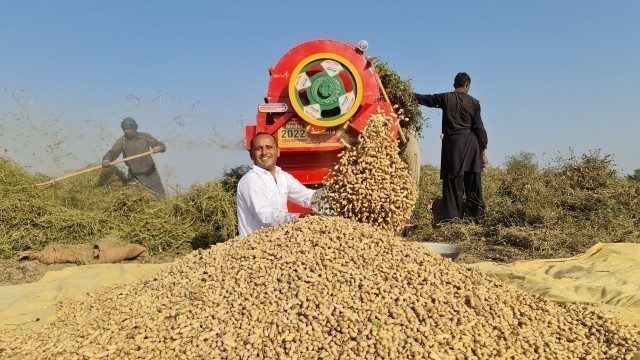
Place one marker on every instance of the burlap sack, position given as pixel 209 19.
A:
pixel 56 253
pixel 107 250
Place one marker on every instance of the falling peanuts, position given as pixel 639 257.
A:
pixel 370 183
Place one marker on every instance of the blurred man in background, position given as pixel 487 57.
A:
pixel 143 169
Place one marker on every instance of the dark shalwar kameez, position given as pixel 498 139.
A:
pixel 461 159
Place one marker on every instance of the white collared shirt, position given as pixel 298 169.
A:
pixel 262 201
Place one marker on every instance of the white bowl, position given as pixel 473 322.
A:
pixel 445 250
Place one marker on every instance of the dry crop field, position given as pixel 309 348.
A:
pixel 326 287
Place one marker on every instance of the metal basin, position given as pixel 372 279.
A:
pixel 445 250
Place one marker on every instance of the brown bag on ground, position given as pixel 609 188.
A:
pixel 108 250
pixel 57 253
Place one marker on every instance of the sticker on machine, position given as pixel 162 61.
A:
pixel 312 110
pixel 302 81
pixel 346 101
pixel 331 67
pixel 292 134
pixel 270 108
pixel 298 134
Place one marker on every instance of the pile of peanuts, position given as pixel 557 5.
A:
pixel 370 183
pixel 321 287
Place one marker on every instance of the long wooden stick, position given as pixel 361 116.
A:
pixel 386 98
pixel 94 168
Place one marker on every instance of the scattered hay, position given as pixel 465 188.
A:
pixel 13 175
pixel 567 207
pixel 86 208
pixel 212 210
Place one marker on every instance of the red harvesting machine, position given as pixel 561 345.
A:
pixel 320 96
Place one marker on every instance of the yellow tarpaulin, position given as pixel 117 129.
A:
pixel 607 276
pixel 21 305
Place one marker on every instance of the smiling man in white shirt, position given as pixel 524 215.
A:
pixel 263 191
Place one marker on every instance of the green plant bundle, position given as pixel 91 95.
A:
pixel 564 208
pixel 13 177
pixel 94 205
pixel 400 93
pixel 211 210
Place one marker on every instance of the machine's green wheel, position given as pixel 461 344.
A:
pixel 325 89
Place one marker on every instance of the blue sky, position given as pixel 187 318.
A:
pixel 551 76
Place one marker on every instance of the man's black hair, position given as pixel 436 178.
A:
pixel 261 133
pixel 461 80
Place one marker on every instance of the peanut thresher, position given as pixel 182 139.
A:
pixel 320 96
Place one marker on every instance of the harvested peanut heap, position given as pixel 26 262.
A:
pixel 321 288
pixel 370 183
